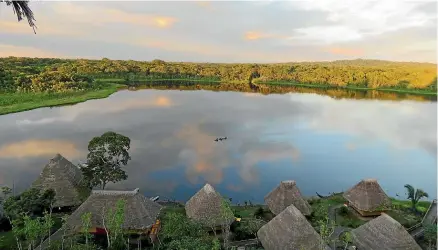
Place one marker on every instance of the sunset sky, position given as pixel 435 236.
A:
pixel 216 31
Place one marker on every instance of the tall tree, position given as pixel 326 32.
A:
pixel 22 10
pixel 415 195
pixel 107 154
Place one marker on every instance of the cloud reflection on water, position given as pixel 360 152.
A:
pixel 173 136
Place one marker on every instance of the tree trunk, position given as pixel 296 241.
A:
pixel 103 185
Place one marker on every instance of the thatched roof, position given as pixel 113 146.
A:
pixel 367 195
pixel 290 230
pixel 284 195
pixel 206 207
pixel 63 177
pixel 140 212
pixel 383 232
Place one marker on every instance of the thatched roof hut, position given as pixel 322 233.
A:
pixel 140 213
pixel 383 232
pixel 290 230
pixel 367 198
pixel 284 195
pixel 63 177
pixel 206 207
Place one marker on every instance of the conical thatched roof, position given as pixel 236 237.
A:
pixel 383 232
pixel 367 195
pixel 284 195
pixel 63 177
pixel 140 212
pixel 290 230
pixel 206 206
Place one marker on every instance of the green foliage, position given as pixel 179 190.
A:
pixel 114 220
pixel 259 213
pixel 86 226
pixel 107 153
pixel 343 211
pixel 32 202
pixel 246 229
pixel 28 74
pixel 180 233
pixel 415 195
pixel 326 228
pixel 176 225
pixel 347 239
pixel 430 235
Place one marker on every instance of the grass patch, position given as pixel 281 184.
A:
pixel 422 206
pixel 401 212
pixel 246 212
pixel 346 218
pixel 406 218
pixel 17 102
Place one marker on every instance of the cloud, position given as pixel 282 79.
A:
pixel 248 94
pixel 23 51
pixel 289 31
pixel 105 106
pixel 356 20
pixel 254 35
pixel 274 153
pixel 345 51
pixel 404 125
pixel 202 156
pixel 137 19
pixel 37 148
pixel 96 15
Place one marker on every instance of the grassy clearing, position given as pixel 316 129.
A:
pixel 242 211
pixel 308 85
pixel 422 206
pixel 12 103
pixel 401 212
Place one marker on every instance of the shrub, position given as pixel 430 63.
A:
pixel 343 211
pixel 259 212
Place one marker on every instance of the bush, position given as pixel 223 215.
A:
pixel 259 213
pixel 343 211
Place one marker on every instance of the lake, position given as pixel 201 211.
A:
pixel 325 144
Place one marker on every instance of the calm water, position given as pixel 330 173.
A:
pixel 326 145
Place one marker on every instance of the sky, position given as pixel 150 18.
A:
pixel 231 31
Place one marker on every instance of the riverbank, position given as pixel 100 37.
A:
pixel 18 102
pixel 404 91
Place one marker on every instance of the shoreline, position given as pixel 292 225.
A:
pixel 55 100
pixel 44 100
pixel 309 85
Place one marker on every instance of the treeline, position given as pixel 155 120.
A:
pixel 58 75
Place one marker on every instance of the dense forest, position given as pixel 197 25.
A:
pixel 64 75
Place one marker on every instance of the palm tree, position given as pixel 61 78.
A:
pixel 415 195
pixel 22 9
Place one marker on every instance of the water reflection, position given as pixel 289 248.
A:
pixel 325 144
